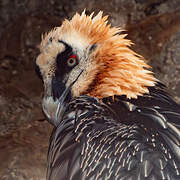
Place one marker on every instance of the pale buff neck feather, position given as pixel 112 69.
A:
pixel 124 72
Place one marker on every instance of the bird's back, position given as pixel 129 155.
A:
pixel 117 139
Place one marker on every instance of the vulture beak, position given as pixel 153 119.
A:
pixel 61 102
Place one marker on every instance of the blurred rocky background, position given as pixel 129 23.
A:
pixel 153 25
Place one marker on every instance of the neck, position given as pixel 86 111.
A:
pixel 123 71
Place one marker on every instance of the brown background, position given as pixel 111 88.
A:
pixel 153 25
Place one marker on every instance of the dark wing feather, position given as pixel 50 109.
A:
pixel 138 139
pixel 63 153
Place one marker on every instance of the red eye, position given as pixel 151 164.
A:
pixel 72 61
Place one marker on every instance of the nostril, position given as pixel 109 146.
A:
pixel 57 88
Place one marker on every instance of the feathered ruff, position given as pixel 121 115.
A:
pixel 121 71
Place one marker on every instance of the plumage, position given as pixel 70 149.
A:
pixel 110 140
pixel 112 119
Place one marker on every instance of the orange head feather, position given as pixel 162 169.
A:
pixel 113 69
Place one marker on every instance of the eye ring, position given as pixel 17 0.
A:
pixel 72 61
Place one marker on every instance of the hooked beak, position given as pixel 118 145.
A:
pixel 54 108
pixel 62 104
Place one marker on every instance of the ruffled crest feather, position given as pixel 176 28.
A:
pixel 123 72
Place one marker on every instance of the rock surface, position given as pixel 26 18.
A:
pixel 154 26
